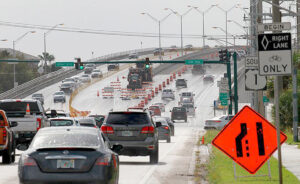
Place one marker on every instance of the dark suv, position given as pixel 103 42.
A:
pixel 179 113
pixel 135 131
pixel 181 83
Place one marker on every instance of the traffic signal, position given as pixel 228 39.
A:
pixel 79 64
pixel 147 63
pixel 224 55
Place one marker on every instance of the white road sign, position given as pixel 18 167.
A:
pixel 274 26
pixel 275 55
pixel 223 87
pixel 251 62
pixel 254 81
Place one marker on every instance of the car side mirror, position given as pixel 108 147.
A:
pixel 22 147
pixel 158 124
pixel 193 94
pixel 13 124
pixel 117 148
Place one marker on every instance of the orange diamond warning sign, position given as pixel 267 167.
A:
pixel 249 139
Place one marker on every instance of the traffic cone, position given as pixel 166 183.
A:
pixel 98 93
pixel 118 79
pixel 27 109
pixel 202 141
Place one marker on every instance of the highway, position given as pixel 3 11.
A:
pixel 137 170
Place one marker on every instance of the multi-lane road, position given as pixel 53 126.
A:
pixel 175 158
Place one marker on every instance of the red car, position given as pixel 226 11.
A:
pixel 155 109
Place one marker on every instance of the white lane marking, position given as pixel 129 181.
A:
pixel 152 169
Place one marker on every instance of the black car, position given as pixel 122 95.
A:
pixel 179 113
pixel 68 154
pixel 208 78
pixel 88 70
pixel 135 131
pixel 113 67
pixel 181 83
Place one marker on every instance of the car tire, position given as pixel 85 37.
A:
pixel 154 155
pixel 185 120
pixel 173 132
pixel 6 156
pixel 169 139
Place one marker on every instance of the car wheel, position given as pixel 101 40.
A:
pixel 169 139
pixel 154 155
pixel 185 120
pixel 173 132
pixel 6 156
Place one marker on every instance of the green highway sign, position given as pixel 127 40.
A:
pixel 194 62
pixel 60 64
pixel 265 99
pixel 224 99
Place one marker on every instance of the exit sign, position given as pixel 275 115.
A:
pixel 60 64
pixel 194 62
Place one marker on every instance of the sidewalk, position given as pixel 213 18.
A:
pixel 290 158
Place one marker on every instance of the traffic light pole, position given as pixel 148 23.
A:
pixel 236 104
pixel 228 63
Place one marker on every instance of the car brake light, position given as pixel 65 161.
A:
pixel 38 124
pixel 147 130
pixel 4 133
pixel 218 121
pixel 105 160
pixel 166 127
pixel 107 129
pixel 28 161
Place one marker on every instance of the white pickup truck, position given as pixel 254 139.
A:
pixel 29 115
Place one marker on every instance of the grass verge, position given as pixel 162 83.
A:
pixel 220 169
pixel 290 140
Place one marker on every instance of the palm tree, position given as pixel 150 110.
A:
pixel 47 58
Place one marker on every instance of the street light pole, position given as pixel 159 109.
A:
pixel 45 34
pixel 181 35
pixel 14 52
pixel 203 20
pixel 159 35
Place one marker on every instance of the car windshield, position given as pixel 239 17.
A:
pixel 167 90
pixel 53 140
pixel 61 122
pixel 69 79
pixel 128 118
pixel 153 107
pixel 66 85
pixel 180 81
pixel 59 93
pixel 188 106
pixel 98 71
pixel 134 76
pixel 85 76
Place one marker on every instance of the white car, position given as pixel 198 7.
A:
pixel 217 122
pixel 186 97
pixel 85 78
pixel 97 74
pixel 161 106
pixel 167 94
pixel 190 109
pixel 59 96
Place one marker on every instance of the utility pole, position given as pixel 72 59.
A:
pixel 260 103
pixel 277 90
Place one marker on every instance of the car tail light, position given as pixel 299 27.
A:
pixel 218 121
pixel 166 127
pixel 28 161
pixel 147 130
pixel 107 129
pixel 4 133
pixel 104 160
pixel 38 124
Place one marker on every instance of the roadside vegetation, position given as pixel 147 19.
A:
pixel 24 71
pixel 220 169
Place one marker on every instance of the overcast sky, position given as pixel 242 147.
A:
pixel 114 15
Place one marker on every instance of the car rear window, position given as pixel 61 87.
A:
pixel 179 109
pixel 181 81
pixel 37 95
pixel 52 140
pixel 59 93
pixel 128 118
pixel 61 122
pixel 167 90
pixel 186 94
pixel 19 106
pixel 154 107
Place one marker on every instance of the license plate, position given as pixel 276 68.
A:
pixel 127 133
pixel 65 164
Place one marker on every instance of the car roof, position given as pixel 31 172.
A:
pixel 69 129
pixel 18 100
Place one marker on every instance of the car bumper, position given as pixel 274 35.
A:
pixel 163 136
pixel 97 175
pixel 136 148
pixel 179 118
